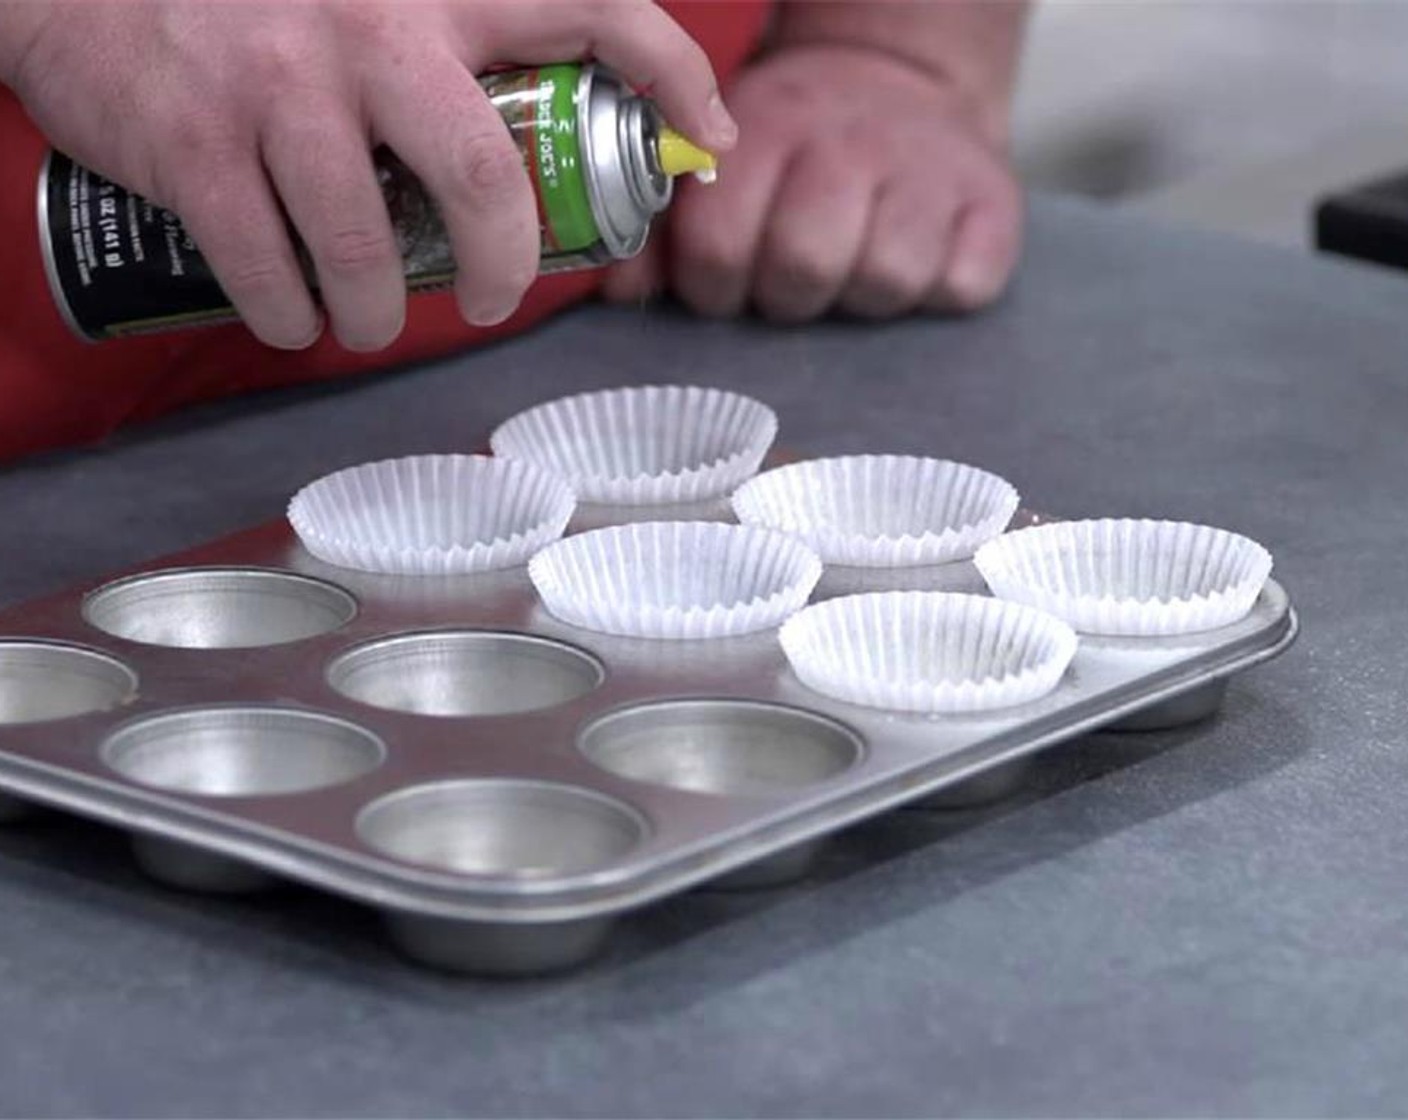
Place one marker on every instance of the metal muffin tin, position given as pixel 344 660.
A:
pixel 501 785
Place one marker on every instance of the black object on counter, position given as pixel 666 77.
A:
pixel 1369 222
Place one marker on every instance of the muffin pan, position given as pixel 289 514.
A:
pixel 502 785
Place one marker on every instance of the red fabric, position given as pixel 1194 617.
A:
pixel 56 390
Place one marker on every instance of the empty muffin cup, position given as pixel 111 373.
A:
pixel 928 651
pixel 510 830
pixel 218 608
pixel 728 748
pixel 1129 577
pixel 41 681
pixel 501 828
pixel 675 579
pixel 431 515
pixel 644 445
pixel 881 511
pixel 465 673
pixel 725 747
pixel 232 751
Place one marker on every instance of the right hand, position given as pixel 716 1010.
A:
pixel 226 111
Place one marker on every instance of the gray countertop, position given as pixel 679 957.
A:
pixel 1205 921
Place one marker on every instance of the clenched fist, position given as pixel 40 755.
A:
pixel 861 183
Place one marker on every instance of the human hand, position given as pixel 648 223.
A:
pixel 234 113
pixel 859 183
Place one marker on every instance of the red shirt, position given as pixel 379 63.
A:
pixel 57 390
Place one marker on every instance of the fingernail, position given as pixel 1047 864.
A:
pixel 973 280
pixel 491 315
pixel 723 127
pixel 301 340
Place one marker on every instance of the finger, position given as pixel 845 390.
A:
pixel 986 243
pixel 321 165
pixel 814 234
pixel 635 38
pixel 230 212
pixel 433 114
pixel 716 229
pixel 906 248
pixel 637 280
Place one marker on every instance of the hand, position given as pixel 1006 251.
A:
pixel 227 111
pixel 860 183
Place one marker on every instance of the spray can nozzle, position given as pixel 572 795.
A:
pixel 679 156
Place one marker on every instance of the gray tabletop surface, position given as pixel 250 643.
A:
pixel 1209 921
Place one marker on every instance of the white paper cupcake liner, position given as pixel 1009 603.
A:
pixel 928 651
pixel 1129 577
pixel 675 579
pixel 881 511
pixel 647 445
pixel 431 514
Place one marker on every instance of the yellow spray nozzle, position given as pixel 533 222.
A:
pixel 680 157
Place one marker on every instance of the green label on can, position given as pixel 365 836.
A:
pixel 541 111
pixel 556 163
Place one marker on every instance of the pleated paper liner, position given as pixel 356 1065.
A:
pixel 928 651
pixel 881 510
pixel 657 445
pixel 675 579
pixel 431 514
pixel 1129 577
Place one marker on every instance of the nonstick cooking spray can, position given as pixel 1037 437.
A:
pixel 601 161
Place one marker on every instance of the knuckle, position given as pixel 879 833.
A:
pixel 282 57
pixel 705 245
pixel 710 289
pixel 199 134
pixel 598 15
pixel 893 280
pixel 792 98
pixel 859 139
pixel 593 14
pixel 715 261
pixel 485 172
pixel 879 150
pixel 199 199
pixel 357 249
pixel 366 24
pixel 254 273
pixel 800 265
pixel 879 287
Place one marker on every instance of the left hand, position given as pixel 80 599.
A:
pixel 859 183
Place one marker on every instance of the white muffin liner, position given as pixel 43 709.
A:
pixel 928 651
pixel 1131 577
pixel 646 445
pixel 881 511
pixel 431 514
pixel 675 579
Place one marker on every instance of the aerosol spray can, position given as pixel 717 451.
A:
pixel 601 161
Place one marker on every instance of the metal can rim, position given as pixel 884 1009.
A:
pixel 46 250
pixel 618 246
